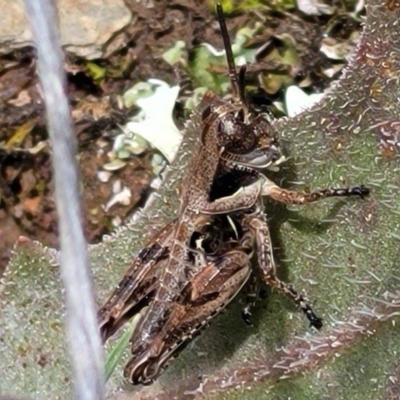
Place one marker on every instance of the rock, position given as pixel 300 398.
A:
pixel 87 27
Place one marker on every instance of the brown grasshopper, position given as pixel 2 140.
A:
pixel 197 263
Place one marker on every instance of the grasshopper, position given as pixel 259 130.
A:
pixel 195 265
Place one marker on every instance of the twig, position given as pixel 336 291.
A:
pixel 84 340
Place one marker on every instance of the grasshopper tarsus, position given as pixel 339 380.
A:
pixel 361 191
pixel 251 298
pixel 246 316
pixel 315 321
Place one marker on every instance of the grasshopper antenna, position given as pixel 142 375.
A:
pixel 237 81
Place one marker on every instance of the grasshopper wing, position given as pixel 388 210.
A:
pixel 138 285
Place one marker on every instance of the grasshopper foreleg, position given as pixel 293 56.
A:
pixel 277 193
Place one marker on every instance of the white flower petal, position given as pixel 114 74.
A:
pixel 297 101
pixel 158 127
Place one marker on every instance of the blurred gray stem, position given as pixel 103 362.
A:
pixel 83 336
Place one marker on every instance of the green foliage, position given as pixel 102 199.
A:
pixel 95 71
pixel 200 69
pixel 114 355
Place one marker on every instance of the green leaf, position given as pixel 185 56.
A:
pixel 344 255
pixel 114 355
pixel 95 71
pixel 174 55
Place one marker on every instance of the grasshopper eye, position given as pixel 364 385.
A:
pixel 235 136
pixel 240 116
pixel 206 113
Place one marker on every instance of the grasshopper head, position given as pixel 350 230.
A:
pixel 248 140
pixel 243 136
